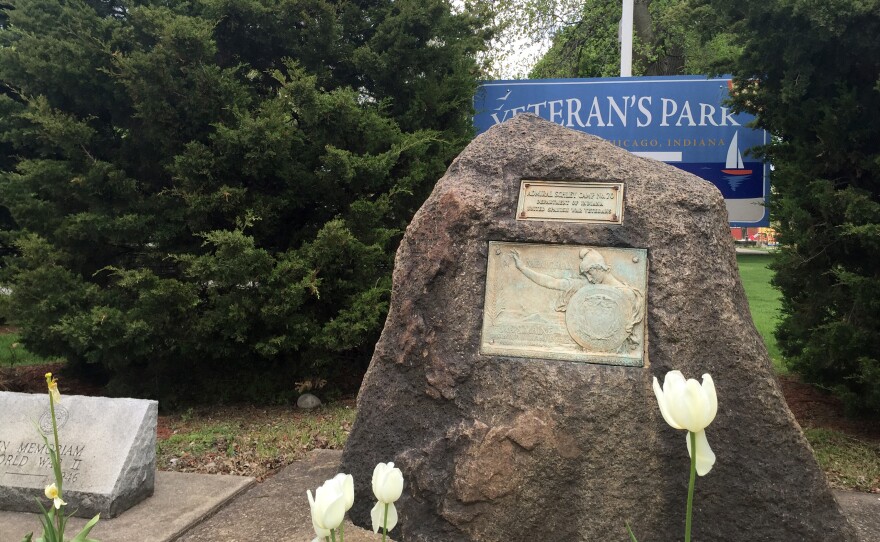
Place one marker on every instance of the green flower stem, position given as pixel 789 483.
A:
pixel 332 536
pixel 385 523
pixel 342 531
pixel 56 466
pixel 690 504
pixel 632 537
pixel 57 463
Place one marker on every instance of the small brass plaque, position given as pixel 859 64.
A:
pixel 566 302
pixel 568 201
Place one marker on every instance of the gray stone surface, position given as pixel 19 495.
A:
pixel 863 511
pixel 108 452
pixel 307 401
pixel 277 509
pixel 181 500
pixel 497 448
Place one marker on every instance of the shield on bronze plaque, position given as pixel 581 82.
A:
pixel 597 317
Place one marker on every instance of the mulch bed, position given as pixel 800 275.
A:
pixel 32 379
pixel 815 408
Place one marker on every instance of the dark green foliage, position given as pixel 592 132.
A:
pixel 811 72
pixel 588 48
pixel 666 41
pixel 210 193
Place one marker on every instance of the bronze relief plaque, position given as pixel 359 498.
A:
pixel 566 302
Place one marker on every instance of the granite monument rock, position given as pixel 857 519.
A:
pixel 537 292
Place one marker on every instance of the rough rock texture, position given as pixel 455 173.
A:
pixel 108 452
pixel 509 449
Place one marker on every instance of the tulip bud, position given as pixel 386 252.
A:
pixel 387 483
pixel 346 482
pixel 387 487
pixel 686 404
pixel 328 506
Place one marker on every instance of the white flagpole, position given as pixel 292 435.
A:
pixel 626 39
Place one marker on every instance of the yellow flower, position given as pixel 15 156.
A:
pixel 53 388
pixel 52 493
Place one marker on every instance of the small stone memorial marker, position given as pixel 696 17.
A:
pixel 108 452
pixel 539 290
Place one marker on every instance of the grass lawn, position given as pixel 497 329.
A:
pixel 13 353
pixel 763 300
pixel 247 440
pixel 848 462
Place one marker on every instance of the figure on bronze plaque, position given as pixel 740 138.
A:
pixel 602 312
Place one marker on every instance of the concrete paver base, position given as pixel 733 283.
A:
pixel 278 509
pixel 863 512
pixel 180 501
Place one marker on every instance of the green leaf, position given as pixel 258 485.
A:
pixel 84 533
pixel 631 535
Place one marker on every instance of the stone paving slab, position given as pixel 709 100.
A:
pixel 277 508
pixel 863 512
pixel 180 501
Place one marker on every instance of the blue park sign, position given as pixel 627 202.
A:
pixel 679 120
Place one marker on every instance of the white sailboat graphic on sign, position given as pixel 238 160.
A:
pixel 734 163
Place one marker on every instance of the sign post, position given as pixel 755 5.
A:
pixel 626 39
pixel 679 120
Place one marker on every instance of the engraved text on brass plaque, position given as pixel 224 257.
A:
pixel 566 302
pixel 570 201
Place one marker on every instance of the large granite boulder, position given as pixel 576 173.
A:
pixel 498 447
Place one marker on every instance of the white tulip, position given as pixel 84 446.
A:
pixel 328 506
pixel 347 483
pixel 685 404
pixel 387 483
pixel 387 487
